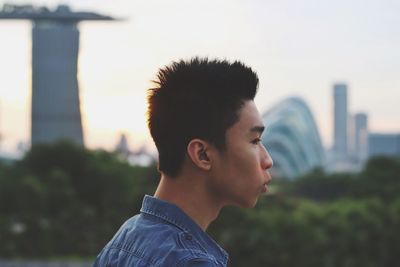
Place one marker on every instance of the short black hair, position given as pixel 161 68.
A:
pixel 197 98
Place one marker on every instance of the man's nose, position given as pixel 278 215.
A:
pixel 266 162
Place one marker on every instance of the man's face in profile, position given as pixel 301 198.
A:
pixel 240 172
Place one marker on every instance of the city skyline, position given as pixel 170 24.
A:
pixel 296 50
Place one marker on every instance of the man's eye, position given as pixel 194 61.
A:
pixel 256 141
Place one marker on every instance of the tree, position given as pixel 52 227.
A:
pixel 65 200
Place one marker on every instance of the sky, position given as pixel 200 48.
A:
pixel 297 47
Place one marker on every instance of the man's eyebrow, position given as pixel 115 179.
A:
pixel 258 129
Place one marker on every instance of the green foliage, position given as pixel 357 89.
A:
pixel 380 178
pixel 61 200
pixel 305 233
pixel 64 200
pixel 320 220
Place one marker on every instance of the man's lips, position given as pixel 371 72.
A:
pixel 266 183
pixel 264 188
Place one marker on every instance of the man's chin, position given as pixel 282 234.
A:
pixel 247 203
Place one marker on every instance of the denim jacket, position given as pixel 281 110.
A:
pixel 161 235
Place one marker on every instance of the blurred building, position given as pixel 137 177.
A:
pixel 137 157
pixel 360 136
pixel 292 138
pixel 381 144
pixel 55 45
pixel 122 147
pixel 340 122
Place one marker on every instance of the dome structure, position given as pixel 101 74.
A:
pixel 292 138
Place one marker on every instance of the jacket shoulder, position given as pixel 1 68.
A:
pixel 154 243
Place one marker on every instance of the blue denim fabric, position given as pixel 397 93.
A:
pixel 161 235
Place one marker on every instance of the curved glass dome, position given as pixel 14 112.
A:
pixel 292 138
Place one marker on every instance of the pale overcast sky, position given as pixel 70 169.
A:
pixel 298 47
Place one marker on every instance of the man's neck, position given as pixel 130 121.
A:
pixel 191 196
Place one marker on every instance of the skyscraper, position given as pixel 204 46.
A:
pixel 55 95
pixel 340 121
pixel 361 136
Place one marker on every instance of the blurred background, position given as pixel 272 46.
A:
pixel 76 157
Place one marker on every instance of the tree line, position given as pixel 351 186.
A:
pixel 64 201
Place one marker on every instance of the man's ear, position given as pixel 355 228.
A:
pixel 197 150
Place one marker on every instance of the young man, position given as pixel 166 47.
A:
pixel 207 131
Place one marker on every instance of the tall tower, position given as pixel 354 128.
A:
pixel 361 136
pixel 55 95
pixel 340 118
